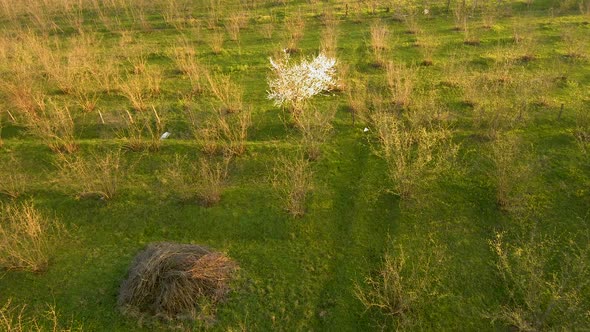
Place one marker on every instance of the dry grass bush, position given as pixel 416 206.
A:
pixel 512 172
pixel 294 28
pixel 490 11
pixel 405 285
pixel 267 29
pixel 525 40
pixel 12 183
pixel 173 281
pixel 215 40
pixel 227 93
pixel 460 15
pixel 357 99
pixel 25 237
pixel 203 182
pixel 315 127
pixel 379 42
pixel 544 282
pixel 471 34
pixel 221 132
pixel 329 39
pixel 582 131
pixel 185 57
pixel 134 89
pixel 234 23
pixel 293 181
pixel 143 131
pixel 575 43
pixel 96 176
pixel 584 6
pixel 415 155
pixel 212 178
pixel 401 80
pixel 53 124
pixel 13 319
pixel 427 45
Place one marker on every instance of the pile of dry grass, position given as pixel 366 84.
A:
pixel 173 281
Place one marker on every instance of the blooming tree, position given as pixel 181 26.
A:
pixel 295 83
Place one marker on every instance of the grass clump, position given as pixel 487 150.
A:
pixel 24 237
pixel 173 281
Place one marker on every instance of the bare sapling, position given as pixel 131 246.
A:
pixel 25 237
pixel 357 98
pixel 13 183
pixel 427 45
pixel 544 282
pixel 185 57
pixel 216 39
pixel 416 156
pixel 512 173
pixel 575 43
pixel 405 284
pixel 329 39
pixel 95 176
pixel 53 124
pixel 143 130
pixel 315 127
pixel 227 93
pixel 293 181
pixel 379 43
pixel 234 24
pixel 202 182
pixel 13 318
pixel 212 178
pixel 233 131
pixel 400 83
pixel 294 29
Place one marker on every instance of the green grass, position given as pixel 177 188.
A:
pixel 300 274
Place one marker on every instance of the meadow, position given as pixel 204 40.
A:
pixel 440 183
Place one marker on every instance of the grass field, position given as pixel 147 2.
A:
pixel 443 184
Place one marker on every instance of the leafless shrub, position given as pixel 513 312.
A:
pixel 216 39
pixel 185 58
pixel 415 155
pixel 545 285
pixel 13 319
pixel 294 29
pixel 226 92
pixel 512 172
pixel 404 285
pixel 25 237
pixel 12 182
pixel 54 125
pixel 293 180
pixel 203 182
pixel 143 131
pixel 315 127
pixel 95 176
pixel 400 83
pixel 379 42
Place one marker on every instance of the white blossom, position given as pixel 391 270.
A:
pixel 294 83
